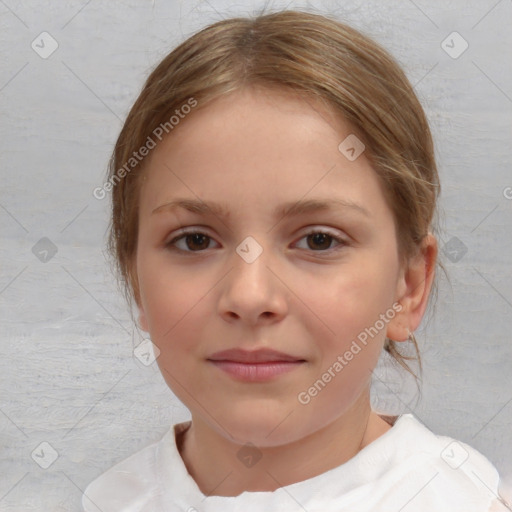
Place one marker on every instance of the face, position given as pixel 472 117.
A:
pixel 307 282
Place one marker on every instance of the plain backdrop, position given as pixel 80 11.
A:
pixel 73 396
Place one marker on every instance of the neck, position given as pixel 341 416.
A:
pixel 214 462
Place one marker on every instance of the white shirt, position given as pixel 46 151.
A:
pixel 407 469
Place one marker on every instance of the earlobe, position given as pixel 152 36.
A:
pixel 143 322
pixel 413 290
pixel 133 276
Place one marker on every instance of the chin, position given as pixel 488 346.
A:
pixel 264 430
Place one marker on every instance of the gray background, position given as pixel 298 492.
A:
pixel 68 376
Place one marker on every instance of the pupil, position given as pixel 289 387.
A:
pixel 322 239
pixel 196 239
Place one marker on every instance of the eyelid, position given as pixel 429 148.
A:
pixel 322 229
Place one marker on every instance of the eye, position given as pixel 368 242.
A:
pixel 193 241
pixel 321 241
pixel 196 241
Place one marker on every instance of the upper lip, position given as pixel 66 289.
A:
pixel 254 356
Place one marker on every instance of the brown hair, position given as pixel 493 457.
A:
pixel 313 55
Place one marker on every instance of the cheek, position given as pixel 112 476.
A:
pixel 350 297
pixel 164 296
pixel 344 308
pixel 176 299
pixel 347 330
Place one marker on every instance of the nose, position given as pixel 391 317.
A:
pixel 252 293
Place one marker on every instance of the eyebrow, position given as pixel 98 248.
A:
pixel 289 208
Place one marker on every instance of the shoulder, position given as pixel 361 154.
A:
pixel 445 473
pixel 129 485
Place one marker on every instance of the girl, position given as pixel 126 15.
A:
pixel 274 187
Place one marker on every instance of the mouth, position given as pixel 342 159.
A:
pixel 257 372
pixel 256 366
pixel 254 356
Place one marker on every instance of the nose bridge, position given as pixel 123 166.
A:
pixel 251 262
pixel 251 288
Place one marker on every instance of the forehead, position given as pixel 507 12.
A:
pixel 270 144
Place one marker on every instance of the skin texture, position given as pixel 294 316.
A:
pixel 306 296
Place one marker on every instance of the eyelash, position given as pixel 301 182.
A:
pixel 171 244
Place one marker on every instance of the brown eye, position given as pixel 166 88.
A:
pixel 197 241
pixel 193 242
pixel 320 241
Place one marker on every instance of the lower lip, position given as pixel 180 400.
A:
pixel 256 372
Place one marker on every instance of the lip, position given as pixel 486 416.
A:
pixel 263 355
pixel 255 366
pixel 256 372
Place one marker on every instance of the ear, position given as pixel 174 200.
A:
pixel 134 283
pixel 143 321
pixel 413 290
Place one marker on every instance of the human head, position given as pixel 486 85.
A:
pixel 312 55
